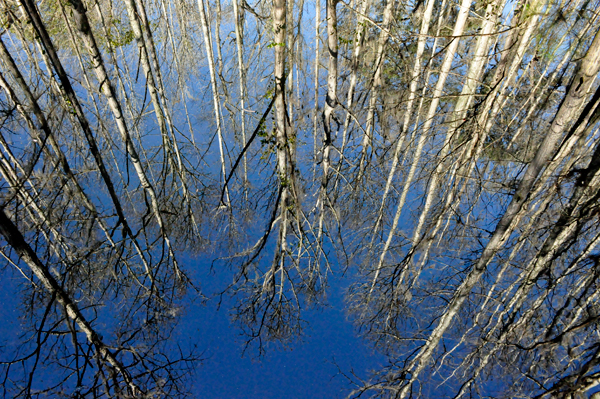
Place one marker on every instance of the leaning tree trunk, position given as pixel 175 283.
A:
pixel 463 103
pixel 15 239
pixel 74 104
pixel 459 27
pixel 59 159
pixel 576 95
pixel 423 32
pixel 109 92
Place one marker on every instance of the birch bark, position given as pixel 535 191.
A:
pixel 437 93
pixel 213 83
pixel 578 90
pixel 16 240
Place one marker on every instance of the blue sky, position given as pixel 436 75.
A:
pixel 306 368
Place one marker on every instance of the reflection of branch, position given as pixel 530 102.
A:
pixel 579 381
pixel 247 6
pixel 15 239
pixel 257 248
pixel 263 241
pixel 239 158
pixel 39 343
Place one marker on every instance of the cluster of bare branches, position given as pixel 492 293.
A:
pixel 446 154
pixel 94 246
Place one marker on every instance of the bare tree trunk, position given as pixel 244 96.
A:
pixel 330 105
pixel 239 41
pixel 59 159
pixel 514 47
pixel 134 19
pixel 358 44
pixel 155 71
pixel 291 60
pixel 462 105
pixel 76 108
pixel 218 37
pixel 109 92
pixel 317 67
pixel 437 93
pixel 279 29
pixel 62 160
pixel 575 96
pixel 423 32
pixel 213 82
pixel 282 129
pixel 16 240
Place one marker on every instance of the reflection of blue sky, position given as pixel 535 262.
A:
pixel 305 368
pixel 9 310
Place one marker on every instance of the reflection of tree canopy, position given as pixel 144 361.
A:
pixel 443 156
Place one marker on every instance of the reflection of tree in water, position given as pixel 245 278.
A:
pixel 449 166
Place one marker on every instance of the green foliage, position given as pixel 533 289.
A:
pixel 344 41
pixel 268 141
pixel 117 37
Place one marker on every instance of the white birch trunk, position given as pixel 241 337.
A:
pixel 215 92
pixel 239 41
pixel 358 44
pixel 423 32
pixel 109 92
pixel 16 240
pixel 577 93
pixel 437 93
pixel 330 105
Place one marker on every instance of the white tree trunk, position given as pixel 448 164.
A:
pixel 213 82
pixel 575 96
pixel 437 93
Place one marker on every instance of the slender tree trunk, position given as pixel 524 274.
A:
pixel 462 105
pixel 134 19
pixel 213 83
pixel 239 41
pixel 16 240
pixel 115 106
pixel 437 93
pixel 73 102
pixel 155 71
pixel 330 105
pixel 578 90
pixel 317 67
pixel 417 70
pixel 59 159
pixel 218 37
pixel 291 60
pixel 359 37
pixel 279 29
